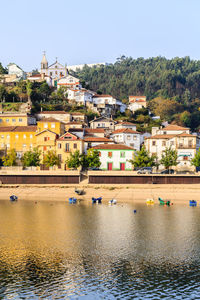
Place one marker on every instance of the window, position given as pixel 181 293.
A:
pixel 163 143
pixel 132 145
pixel 31 145
pixel 7 120
pixel 8 136
pixel 46 138
pixel 50 73
pixel 24 145
pixel 24 136
pixel 59 146
pixel 45 125
pixel 109 154
pixel 20 120
pixel 67 137
pixel 60 73
pixel 103 124
pixel 31 136
pixel 13 120
pixel 1 120
pixel 16 136
pixel 60 157
pixel 135 137
pixel 99 125
pixel 56 72
pixel 2 145
pixel 164 132
pixel 122 154
pixel 128 137
pixel 45 148
pixel 53 125
pixel 2 136
pixel 153 143
pixel 185 157
pixel 67 147
pixel 75 146
pixel 172 143
pixel 8 145
pixel 56 66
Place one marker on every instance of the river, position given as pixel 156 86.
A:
pixel 54 250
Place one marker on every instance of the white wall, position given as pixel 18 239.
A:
pixel 116 159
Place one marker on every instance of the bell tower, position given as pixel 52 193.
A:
pixel 44 64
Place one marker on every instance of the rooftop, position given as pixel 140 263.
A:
pixel 57 112
pixel 113 147
pixel 18 129
pixel 125 130
pixel 49 120
pixel 97 139
pixel 175 127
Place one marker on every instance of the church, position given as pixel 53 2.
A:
pixel 58 73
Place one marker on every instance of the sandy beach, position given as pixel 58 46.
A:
pixel 135 193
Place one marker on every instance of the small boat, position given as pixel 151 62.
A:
pixel 163 202
pixel 192 203
pixel 79 191
pixel 96 200
pixel 113 201
pixel 13 198
pixel 72 200
pixel 150 201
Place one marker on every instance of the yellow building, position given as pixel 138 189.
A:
pixel 68 143
pixel 46 141
pixel 52 125
pixel 20 138
pixel 73 124
pixel 16 120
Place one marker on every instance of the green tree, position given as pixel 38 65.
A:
pixel 3 92
pixel 74 161
pixel 142 158
pixel 169 158
pixel 196 160
pixel 29 89
pixel 31 158
pixel 92 159
pixel 10 159
pixel 44 90
pixel 51 159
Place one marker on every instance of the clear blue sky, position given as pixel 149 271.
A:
pixel 88 31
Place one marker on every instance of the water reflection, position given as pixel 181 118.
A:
pixel 56 250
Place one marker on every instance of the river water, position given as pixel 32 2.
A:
pixel 54 250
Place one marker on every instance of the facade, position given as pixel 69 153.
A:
pixel 115 157
pixel 73 124
pixel 46 141
pixel 107 105
pixel 14 69
pixel 137 102
pixel 124 125
pixel 103 123
pixel 66 144
pixel 91 141
pixel 81 97
pixel 52 125
pixel 40 78
pixel 16 120
pixel 20 138
pixel 97 132
pixel 61 116
pixel 68 81
pixel 127 137
pixel 176 137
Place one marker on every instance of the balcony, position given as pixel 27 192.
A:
pixel 183 146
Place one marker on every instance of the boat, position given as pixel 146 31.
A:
pixel 79 191
pixel 113 201
pixel 72 200
pixel 13 198
pixel 96 200
pixel 164 202
pixel 192 203
pixel 150 201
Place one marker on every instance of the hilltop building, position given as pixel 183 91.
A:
pixel 137 102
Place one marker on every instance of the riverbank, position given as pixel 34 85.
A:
pixel 132 193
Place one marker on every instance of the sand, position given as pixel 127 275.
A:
pixel 123 193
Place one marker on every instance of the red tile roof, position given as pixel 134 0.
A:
pixel 126 123
pixel 113 147
pixel 49 120
pixel 95 130
pixel 73 123
pixel 18 129
pixel 161 136
pixel 57 112
pixel 125 130
pixel 100 96
pixel 97 139
pixel 174 127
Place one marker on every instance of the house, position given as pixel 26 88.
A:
pixel 20 138
pixel 107 105
pixel 127 137
pixel 176 137
pixel 97 132
pixel 92 141
pixel 137 102
pixel 16 119
pixel 73 124
pixel 81 97
pixel 66 144
pixel 40 78
pixel 59 115
pixel 52 125
pixel 103 122
pixel 14 69
pixel 124 125
pixel 68 81
pixel 46 141
pixel 115 156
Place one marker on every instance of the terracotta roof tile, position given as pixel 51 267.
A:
pixel 49 120
pixel 56 112
pixel 174 127
pixel 113 147
pixel 97 139
pixel 95 130
pixel 125 130
pixel 100 96
pixel 18 129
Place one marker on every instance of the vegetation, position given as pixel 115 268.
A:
pixel 51 159
pixel 74 161
pixel 31 158
pixel 169 158
pixel 196 160
pixel 143 159
pixel 92 159
pixel 89 160
pixel 10 159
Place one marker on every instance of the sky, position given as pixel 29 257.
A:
pixel 90 31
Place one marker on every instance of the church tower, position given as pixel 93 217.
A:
pixel 44 64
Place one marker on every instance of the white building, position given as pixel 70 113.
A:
pixel 107 105
pixel 127 137
pixel 137 102
pixel 176 137
pixel 124 125
pixel 81 97
pixel 68 81
pixel 103 122
pixel 14 69
pixel 92 141
pixel 115 156
pixel 40 78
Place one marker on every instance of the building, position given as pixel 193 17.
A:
pixel 115 157
pixel 127 137
pixel 177 138
pixel 62 116
pixel 68 81
pixel 52 125
pixel 20 138
pixel 137 102
pixel 40 78
pixel 97 132
pixel 81 97
pixel 103 122
pixel 92 141
pixel 46 141
pixel 13 119
pixel 124 125
pixel 107 105
pixel 66 144
pixel 14 69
